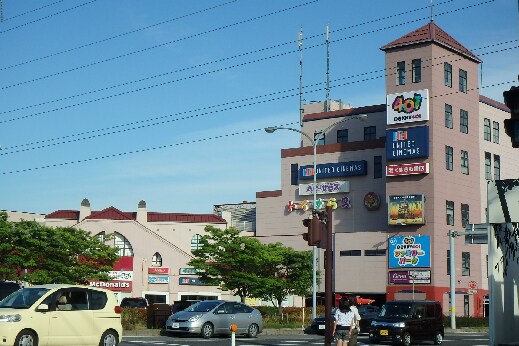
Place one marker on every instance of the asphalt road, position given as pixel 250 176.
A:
pixel 451 339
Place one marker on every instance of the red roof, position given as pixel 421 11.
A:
pixel 431 33
pixel 344 112
pixel 112 213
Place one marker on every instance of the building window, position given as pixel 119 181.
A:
pixel 120 242
pixel 464 162
pixel 370 132
pixel 447 74
pixel 195 242
pixel 377 167
pixel 466 306
pixel 156 260
pixel 448 116
pixel 319 138
pixel 450 213
pixel 465 263
pixel 417 70
pixel 486 129
pixel 448 158
pixel 463 81
pixel 400 73
pixel 350 253
pixel 488 166
pixel 497 167
pixel 342 136
pixel 496 132
pixel 294 174
pixel 378 252
pixel 465 214
pixel 464 121
pixel 448 262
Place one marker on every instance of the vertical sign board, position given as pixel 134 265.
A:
pixel 406 210
pixel 410 251
pixel 407 143
pixel 407 107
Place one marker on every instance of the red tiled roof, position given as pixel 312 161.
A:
pixel 431 33
pixel 112 213
pixel 493 103
pixel 345 112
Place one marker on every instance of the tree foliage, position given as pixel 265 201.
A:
pixel 249 268
pixel 39 254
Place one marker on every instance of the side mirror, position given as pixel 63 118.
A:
pixel 42 308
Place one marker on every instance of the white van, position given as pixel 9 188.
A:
pixel 49 315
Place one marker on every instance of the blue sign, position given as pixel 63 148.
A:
pixel 190 281
pixel 330 170
pixel 407 143
pixel 410 251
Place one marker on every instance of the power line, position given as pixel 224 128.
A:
pixel 117 129
pixel 31 11
pixel 137 151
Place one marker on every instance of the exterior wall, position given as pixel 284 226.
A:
pixel 16 216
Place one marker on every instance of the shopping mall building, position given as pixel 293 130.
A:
pixel 402 177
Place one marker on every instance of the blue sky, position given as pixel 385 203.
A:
pixel 165 101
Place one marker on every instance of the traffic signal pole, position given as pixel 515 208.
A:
pixel 328 278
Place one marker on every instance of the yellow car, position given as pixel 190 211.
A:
pixel 50 315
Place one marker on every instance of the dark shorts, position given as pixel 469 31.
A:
pixel 342 334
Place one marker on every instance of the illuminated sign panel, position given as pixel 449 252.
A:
pixel 406 210
pixel 407 169
pixel 404 277
pixel 324 188
pixel 330 170
pixel 407 107
pixel 407 143
pixel 410 251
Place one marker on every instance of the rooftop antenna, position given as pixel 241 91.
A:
pixel 300 47
pixel 327 100
pixel 432 10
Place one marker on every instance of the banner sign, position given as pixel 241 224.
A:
pixel 406 210
pixel 410 251
pixel 404 277
pixel 407 143
pixel 123 286
pixel 320 203
pixel 407 169
pixel 324 187
pixel 158 270
pixel 330 170
pixel 188 271
pixel 158 279
pixel 190 281
pixel 407 107
pixel 121 275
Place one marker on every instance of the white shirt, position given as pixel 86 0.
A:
pixel 355 311
pixel 344 318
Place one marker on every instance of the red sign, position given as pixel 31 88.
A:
pixel 407 169
pixel 124 286
pixel 473 285
pixel 124 263
pixel 157 270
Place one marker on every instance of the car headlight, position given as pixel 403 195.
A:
pixel 399 324
pixel 10 318
pixel 194 318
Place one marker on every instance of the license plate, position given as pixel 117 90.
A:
pixel 175 326
pixel 321 326
pixel 384 332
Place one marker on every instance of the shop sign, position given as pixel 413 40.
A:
pixel 190 281
pixel 407 107
pixel 320 203
pixel 407 143
pixel 473 285
pixel 330 170
pixel 406 210
pixel 158 270
pixel 124 263
pixel 404 277
pixel 324 187
pixel 121 275
pixel 410 251
pixel 123 286
pixel 407 169
pixel 189 271
pixel 158 279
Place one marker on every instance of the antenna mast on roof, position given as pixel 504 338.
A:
pixel 432 10
pixel 327 100
pixel 300 47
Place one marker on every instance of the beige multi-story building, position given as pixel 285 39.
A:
pixel 402 177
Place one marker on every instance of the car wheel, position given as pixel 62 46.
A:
pixel 252 332
pixel 406 339
pixel 438 338
pixel 109 338
pixel 207 330
pixel 26 338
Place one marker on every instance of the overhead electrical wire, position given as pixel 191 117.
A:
pixel 137 151
pixel 31 11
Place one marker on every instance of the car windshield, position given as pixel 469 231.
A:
pixel 24 298
pixel 203 306
pixel 396 311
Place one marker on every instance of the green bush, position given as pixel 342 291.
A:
pixel 467 322
pixel 132 318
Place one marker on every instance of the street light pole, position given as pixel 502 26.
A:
pixel 314 142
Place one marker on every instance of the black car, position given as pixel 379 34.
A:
pixel 134 302
pixel 367 314
pixel 406 321
pixel 8 287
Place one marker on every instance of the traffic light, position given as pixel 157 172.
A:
pixel 314 225
pixel 512 125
